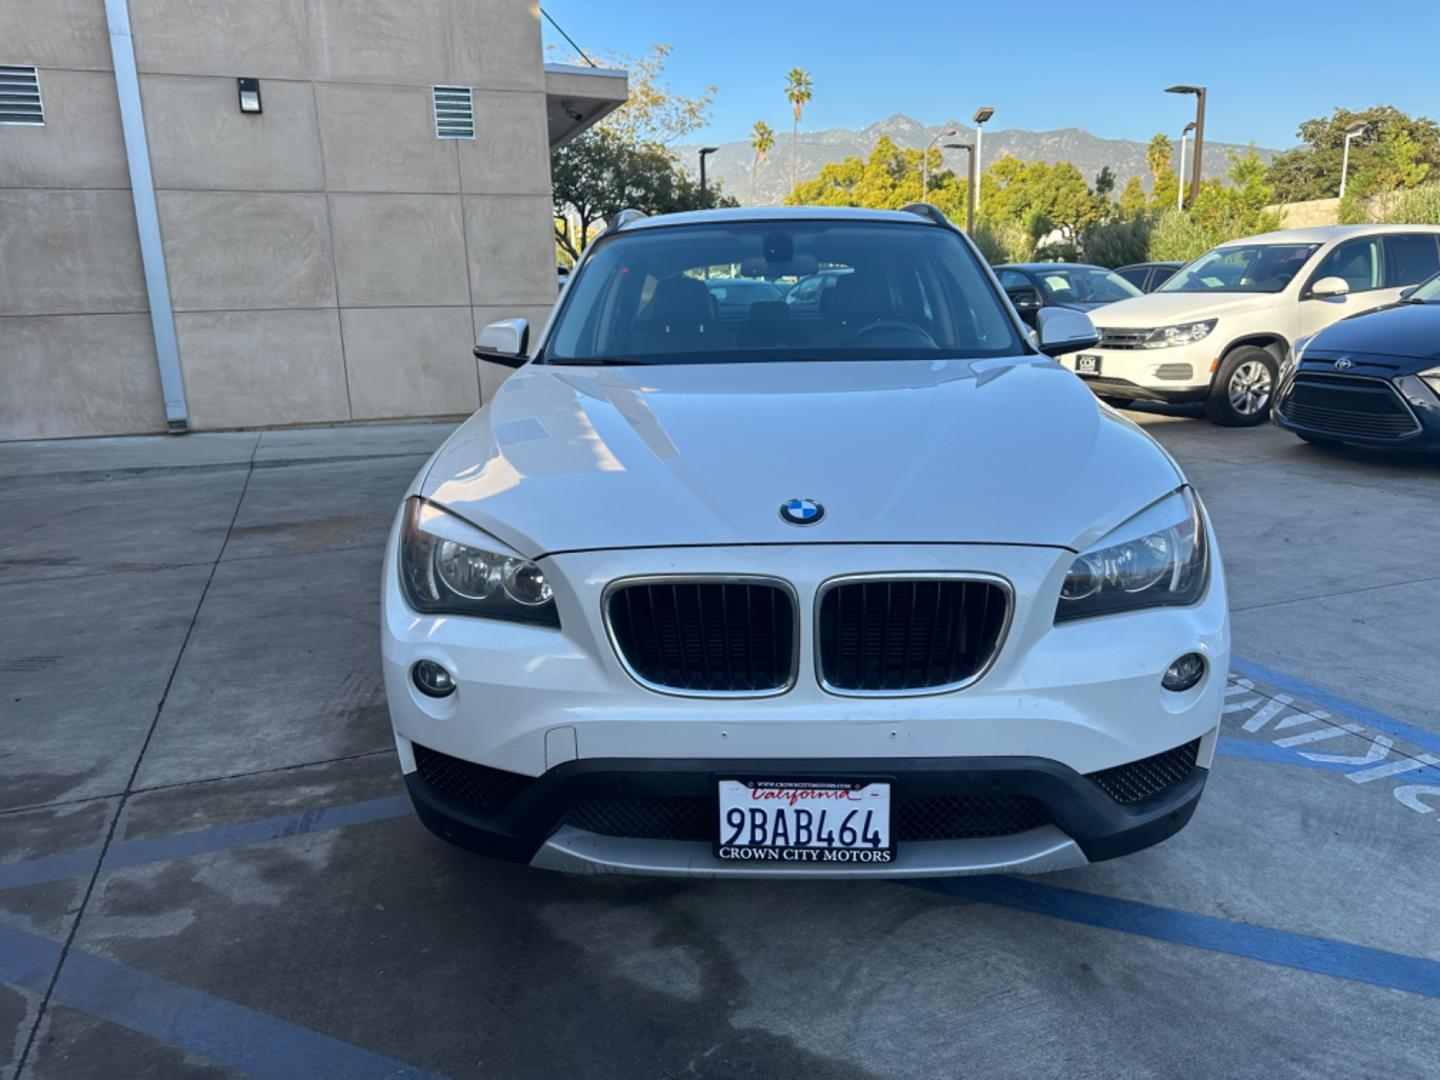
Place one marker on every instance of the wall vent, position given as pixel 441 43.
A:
pixel 454 112
pixel 20 96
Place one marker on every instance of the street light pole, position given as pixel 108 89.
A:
pixel 1180 193
pixel 1354 130
pixel 985 112
pixel 925 162
pixel 969 184
pixel 705 151
pixel 1199 92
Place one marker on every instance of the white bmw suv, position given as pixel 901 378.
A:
pixel 870 588
pixel 1218 330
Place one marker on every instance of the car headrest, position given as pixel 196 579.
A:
pixel 680 300
pixel 863 295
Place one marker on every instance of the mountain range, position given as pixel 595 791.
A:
pixel 732 162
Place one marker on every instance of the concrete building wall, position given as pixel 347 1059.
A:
pixel 329 259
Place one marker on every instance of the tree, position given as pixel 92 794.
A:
pixel 887 180
pixel 1105 182
pixel 798 92
pixel 626 160
pixel 1312 171
pixel 1132 200
pixel 1159 155
pixel 762 140
pixel 601 172
pixel 653 113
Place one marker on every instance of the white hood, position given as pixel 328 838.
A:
pixel 1167 309
pixel 1000 451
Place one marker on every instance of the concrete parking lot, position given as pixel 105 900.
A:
pixel 208 866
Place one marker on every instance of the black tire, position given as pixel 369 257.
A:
pixel 1243 387
pixel 1116 402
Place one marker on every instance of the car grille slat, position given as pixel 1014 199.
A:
pixel 1137 781
pixel 705 636
pixel 1348 405
pixel 897 635
pixel 1114 338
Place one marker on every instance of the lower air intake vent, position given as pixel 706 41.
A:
pixel 927 817
pixel 478 785
pixel 1148 777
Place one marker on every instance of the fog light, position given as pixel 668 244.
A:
pixel 431 679
pixel 1184 673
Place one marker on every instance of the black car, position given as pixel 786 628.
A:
pixel 1078 286
pixel 1149 276
pixel 1373 378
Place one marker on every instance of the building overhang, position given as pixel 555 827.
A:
pixel 578 97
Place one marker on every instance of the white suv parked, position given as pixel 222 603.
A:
pixel 1219 329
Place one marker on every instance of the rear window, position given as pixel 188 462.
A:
pixel 782 291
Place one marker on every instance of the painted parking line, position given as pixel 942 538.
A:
pixel 189 1019
pixel 1384 722
pixel 1358 963
pixel 201 841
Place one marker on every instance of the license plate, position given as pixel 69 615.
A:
pixel 1087 364
pixel 804 821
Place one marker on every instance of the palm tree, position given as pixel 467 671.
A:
pixel 798 91
pixel 762 138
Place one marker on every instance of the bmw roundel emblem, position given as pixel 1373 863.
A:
pixel 802 512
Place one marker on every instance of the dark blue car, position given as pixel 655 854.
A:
pixel 1372 378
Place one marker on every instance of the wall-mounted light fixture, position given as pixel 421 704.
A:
pixel 249 95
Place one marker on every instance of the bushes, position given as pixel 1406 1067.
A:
pixel 1415 206
pixel 1118 243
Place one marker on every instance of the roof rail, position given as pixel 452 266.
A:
pixel 928 211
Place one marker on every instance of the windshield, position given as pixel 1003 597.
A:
pixel 1428 291
pixel 782 290
pixel 1251 268
pixel 1084 285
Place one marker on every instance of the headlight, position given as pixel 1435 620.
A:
pixel 1165 337
pixel 1432 379
pixel 1159 558
pixel 444 572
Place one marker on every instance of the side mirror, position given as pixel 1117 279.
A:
pixel 1061 330
pixel 505 342
pixel 1330 286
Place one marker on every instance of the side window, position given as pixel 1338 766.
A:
pixel 1410 258
pixel 1357 261
pixel 1013 279
pixel 1135 275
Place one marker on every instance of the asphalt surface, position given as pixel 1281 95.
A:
pixel 208 869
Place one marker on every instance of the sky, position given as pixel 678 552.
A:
pixel 1267 64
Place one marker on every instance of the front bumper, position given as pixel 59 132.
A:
pixel 1026 814
pixel 1368 404
pixel 556 711
pixel 1175 375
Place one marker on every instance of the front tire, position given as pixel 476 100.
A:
pixel 1244 384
